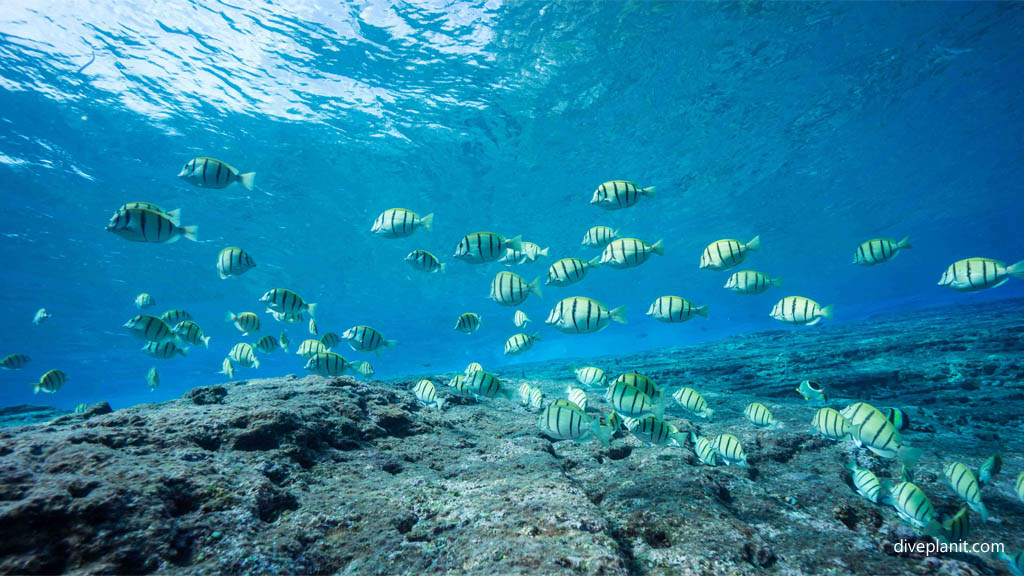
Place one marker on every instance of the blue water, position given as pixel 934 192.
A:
pixel 816 126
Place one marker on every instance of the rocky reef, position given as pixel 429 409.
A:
pixel 312 475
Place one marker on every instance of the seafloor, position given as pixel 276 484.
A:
pixel 309 475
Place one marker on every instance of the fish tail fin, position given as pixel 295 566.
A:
pixel 618 314
pixel 389 344
pixel 908 456
pixel 206 341
pixel 701 311
pixel 535 287
pixel 543 252
pixel 679 438
pixel 174 216
pixel 515 243
pixel 1016 270
pixel 36 387
pixel 659 405
pixel 191 233
pixel 904 244
pixel 982 511
pixel 935 529
pixel 708 413
pixel 657 248
pixel 247 180
pixel 535 336
pixel 182 351
pixel 441 268
pixel 311 307
pixel 595 261
pixel 826 312
pixel 649 191
pixel 602 433
pixel 230 317
pixel 255 362
pixel 427 221
pixel 440 403
pixel 777 282
pixel 754 244
pixel 693 436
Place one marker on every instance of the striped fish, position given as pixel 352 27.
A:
pixel 326 364
pixel 812 391
pixel 233 261
pixel 246 322
pixel 1014 561
pixel 617 194
pixel 898 418
pixel 989 468
pixel 656 431
pixel 760 415
pixel 528 253
pixel 139 225
pixel 957 527
pixel 1019 486
pixel 268 344
pixel 524 393
pixel 480 247
pixel 284 341
pixel 330 340
pixel 227 368
pixel 212 173
pixel 244 355
pixel 640 382
pixel 858 412
pixel 865 483
pixel 367 339
pixel 399 222
pixel 481 383
pixel 724 254
pixel 50 382
pixel 751 282
pixel 153 378
pixel 692 400
pixel 289 318
pixel 163 350
pixel 14 361
pixel 287 302
pixel 172 214
pixel 878 435
pixel 975 274
pixel 570 270
pixel 831 424
pixel 311 347
pixel 460 386
pixel 879 250
pixel 613 420
pixel 520 319
pixel 473 367
pixel 536 398
pixel 456 380
pixel 363 368
pixel 424 261
pixel 629 252
pixel 425 392
pixel 566 421
pixel 144 300
pixel 730 449
pixel 581 315
pixel 912 504
pixel 703 449
pixel 313 330
pixel 675 309
pixel 590 376
pixel 630 401
pixel 800 311
pixel 172 317
pixel 599 236
pixel 577 396
pixel 963 481
pixel 519 343
pixel 510 289
pixel 81 408
pixel 150 328
pixel 190 332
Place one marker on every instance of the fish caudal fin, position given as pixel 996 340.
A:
pixel 543 252
pixel 182 351
pixel 701 311
pixel 535 336
pixel 389 344
pixel 618 314
pixel 657 248
pixel 826 312
pixel 679 439
pixel 754 244
pixel 247 180
pixel 708 413
pixel 659 405
pixel 230 317
pixel 534 286
pixel 174 216
pixel 602 433
pixel 1016 270
pixel 777 282
pixel 427 222
pixel 441 268
pixel 36 386
pixel 649 191
pixel 595 261
pixel 908 456
pixel 311 308
pixel 515 243
pixel 206 341
pixel 191 233
pixel 440 403
pixel 904 244
pixel 981 510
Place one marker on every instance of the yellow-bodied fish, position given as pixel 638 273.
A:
pixel 326 364
pixel 268 344
pixel 163 350
pixel 14 361
pixel 190 332
pixel 724 254
pixel 330 340
pixel 879 250
pixel 566 421
pixel 599 236
pixel 570 270
pixel 703 449
pixel 520 319
pixel 581 315
pixel 675 309
pixel 244 355
pixel 482 383
pixel 912 505
pixel 367 339
pixel 528 253
pixel 577 396
pixel 590 376
pixel 152 378
pixel 144 300
pixel 963 481
pixel 150 328
pixel 524 393
pixel 831 424
pixel 729 449
pixel 473 367
pixel 285 341
pixel 287 302
pixel 138 225
pixel 399 222
pixel 519 343
pixel 800 311
pixel 629 252
pixel 456 381
pixel 233 261
pixel 760 415
pixel 425 261
pixel 311 347
pixel 510 289
pixel 312 327
pixel 173 317
pixel 640 382
pixel 50 382
pixel 480 247
pixel 692 400
pixel 227 368
pixel 751 282
pixel 363 368
pixel 536 399
pixel 632 402
pixel 877 434
pixel 426 393
pixel 812 391
pixel 957 527
pixel 865 483
pixel 975 274
pixel 468 323
pixel 212 173
pixel 859 412
pixel 246 322
pixel 618 194
pixel 656 431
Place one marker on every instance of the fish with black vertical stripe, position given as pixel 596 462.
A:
pixel 233 261
pixel 399 223
pixel 973 274
pixel 212 173
pixel 879 250
pixel 724 254
pixel 581 315
pixel 618 194
pixel 565 420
